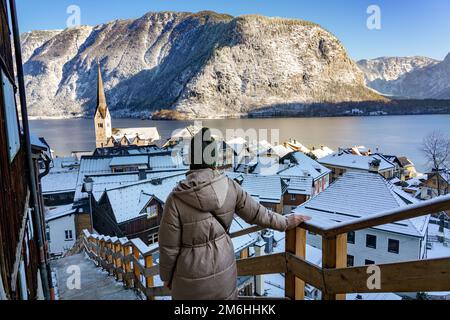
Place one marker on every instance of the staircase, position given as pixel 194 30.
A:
pixel 95 284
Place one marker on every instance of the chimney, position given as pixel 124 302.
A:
pixel 142 174
pixel 268 237
pixel 374 165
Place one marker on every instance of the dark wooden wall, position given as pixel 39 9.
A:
pixel 13 185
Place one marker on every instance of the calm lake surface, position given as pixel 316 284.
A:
pixel 400 135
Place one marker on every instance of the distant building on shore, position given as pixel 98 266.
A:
pixel 107 136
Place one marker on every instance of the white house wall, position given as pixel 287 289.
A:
pixel 410 247
pixel 58 243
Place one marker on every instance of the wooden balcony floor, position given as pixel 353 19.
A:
pixel 95 283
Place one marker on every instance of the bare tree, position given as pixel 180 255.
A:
pixel 436 148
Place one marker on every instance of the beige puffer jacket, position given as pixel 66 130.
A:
pixel 196 253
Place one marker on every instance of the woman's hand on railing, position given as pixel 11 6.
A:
pixel 293 221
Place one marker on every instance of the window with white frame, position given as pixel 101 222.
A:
pixel 153 238
pixel 152 212
pixel 10 110
pixel 68 235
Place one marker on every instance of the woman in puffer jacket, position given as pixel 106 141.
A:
pixel 197 259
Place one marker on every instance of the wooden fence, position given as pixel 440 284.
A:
pixel 131 261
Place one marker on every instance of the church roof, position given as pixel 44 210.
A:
pixel 101 99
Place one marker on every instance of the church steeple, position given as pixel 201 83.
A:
pixel 102 119
pixel 101 99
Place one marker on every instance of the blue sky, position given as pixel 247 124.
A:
pixel 408 27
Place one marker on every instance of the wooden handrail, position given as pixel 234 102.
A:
pixel 122 258
pixel 275 263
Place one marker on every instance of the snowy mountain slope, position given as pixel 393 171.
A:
pixel 204 64
pixel 409 77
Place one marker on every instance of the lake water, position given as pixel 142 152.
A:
pixel 400 135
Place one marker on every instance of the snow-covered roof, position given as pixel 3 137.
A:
pixel 142 133
pixel 387 296
pixel 37 142
pixel 187 132
pixel 239 145
pixel 245 241
pixel 299 185
pixel 90 166
pixel 294 145
pixel 62 176
pixel 59 182
pixel 361 194
pixel 445 174
pixel 116 180
pixel 128 161
pixel 345 160
pixel 59 212
pixel 281 150
pixel 321 152
pixel 166 162
pixel 127 202
pixel 266 166
pixel 263 188
pixel 302 166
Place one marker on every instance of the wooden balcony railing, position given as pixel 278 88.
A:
pixel 131 261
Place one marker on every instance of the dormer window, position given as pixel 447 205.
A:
pixel 152 212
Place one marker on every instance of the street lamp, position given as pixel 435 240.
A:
pixel 88 186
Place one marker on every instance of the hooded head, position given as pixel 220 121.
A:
pixel 202 151
pixel 205 190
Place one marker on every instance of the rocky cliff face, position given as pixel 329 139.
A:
pixel 203 65
pixel 411 77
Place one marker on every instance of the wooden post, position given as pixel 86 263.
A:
pixel 149 280
pixel 295 244
pixel 118 262
pixel 244 254
pixel 137 273
pixel 127 268
pixel 334 255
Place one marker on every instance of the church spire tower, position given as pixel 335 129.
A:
pixel 102 118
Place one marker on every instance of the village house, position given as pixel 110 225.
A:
pixel 267 190
pixel 181 135
pixel 108 172
pixel 320 152
pixel 107 136
pixel 342 162
pixel 361 194
pixel 295 145
pixel 62 229
pixel 98 165
pixel 405 168
pixel 134 210
pixel 58 186
pixel 436 184
pixel 305 178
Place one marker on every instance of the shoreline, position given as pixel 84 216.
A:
pixel 253 117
